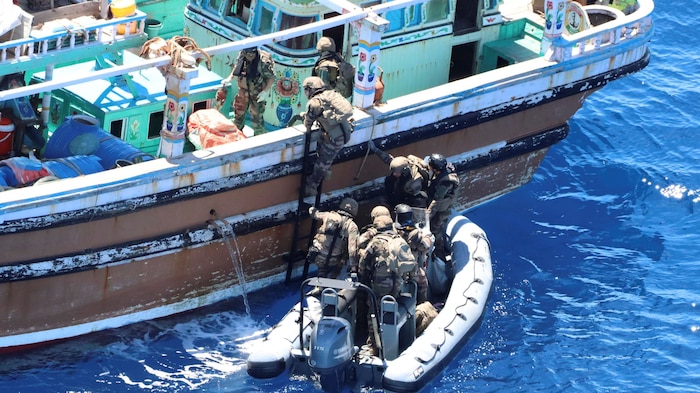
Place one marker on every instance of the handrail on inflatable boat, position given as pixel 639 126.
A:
pixel 337 285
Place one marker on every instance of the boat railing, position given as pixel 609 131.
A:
pixel 101 32
pixel 587 42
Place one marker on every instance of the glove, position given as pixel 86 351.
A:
pixel 312 210
pixel 262 97
pixel 372 147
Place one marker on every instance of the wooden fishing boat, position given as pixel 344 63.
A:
pixel 318 336
pixel 180 231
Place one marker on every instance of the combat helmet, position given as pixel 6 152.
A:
pixel 437 162
pixel 349 206
pixel 404 215
pixel 313 84
pixel 399 165
pixel 379 211
pixel 325 44
pixel 383 222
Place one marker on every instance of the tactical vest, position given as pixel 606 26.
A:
pixel 328 71
pixel 419 167
pixel 449 180
pixel 337 114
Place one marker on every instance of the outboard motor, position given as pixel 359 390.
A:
pixel 331 351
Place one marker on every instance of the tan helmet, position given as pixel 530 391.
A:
pixel 313 84
pixel 348 205
pixel 399 165
pixel 379 211
pixel 325 44
pixel 383 222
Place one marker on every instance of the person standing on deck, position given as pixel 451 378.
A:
pixel 254 71
pixel 332 68
pixel 335 240
pixel 442 194
pixel 333 113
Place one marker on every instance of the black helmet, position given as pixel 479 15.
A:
pixel 404 215
pixel 348 205
pixel 437 161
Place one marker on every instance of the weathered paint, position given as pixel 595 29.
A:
pixel 138 242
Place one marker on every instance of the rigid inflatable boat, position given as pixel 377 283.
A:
pixel 318 335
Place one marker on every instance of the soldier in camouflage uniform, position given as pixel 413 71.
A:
pixel 335 239
pixel 442 194
pixel 384 266
pixel 329 65
pixel 421 244
pixel 369 231
pixel 255 74
pixel 333 113
pixel 408 179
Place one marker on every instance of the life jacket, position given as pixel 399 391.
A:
pixel 337 112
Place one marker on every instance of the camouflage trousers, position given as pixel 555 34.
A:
pixel 327 149
pixel 438 225
pixel 328 267
pixel 247 101
pixel 421 280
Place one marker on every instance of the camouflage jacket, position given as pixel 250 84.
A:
pixel 386 262
pixel 341 227
pixel 333 113
pixel 263 72
pixel 442 192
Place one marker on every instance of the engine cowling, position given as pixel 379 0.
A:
pixel 331 345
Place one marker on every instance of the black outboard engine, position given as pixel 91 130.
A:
pixel 331 351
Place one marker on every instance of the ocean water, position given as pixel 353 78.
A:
pixel 596 262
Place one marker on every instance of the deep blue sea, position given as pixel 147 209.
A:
pixel 597 267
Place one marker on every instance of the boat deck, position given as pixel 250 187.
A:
pixel 66 34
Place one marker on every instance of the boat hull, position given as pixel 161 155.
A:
pixel 165 236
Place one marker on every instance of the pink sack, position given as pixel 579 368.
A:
pixel 213 128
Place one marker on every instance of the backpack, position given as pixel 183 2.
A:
pixel 346 79
pixel 401 260
pixel 421 166
pixel 337 110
